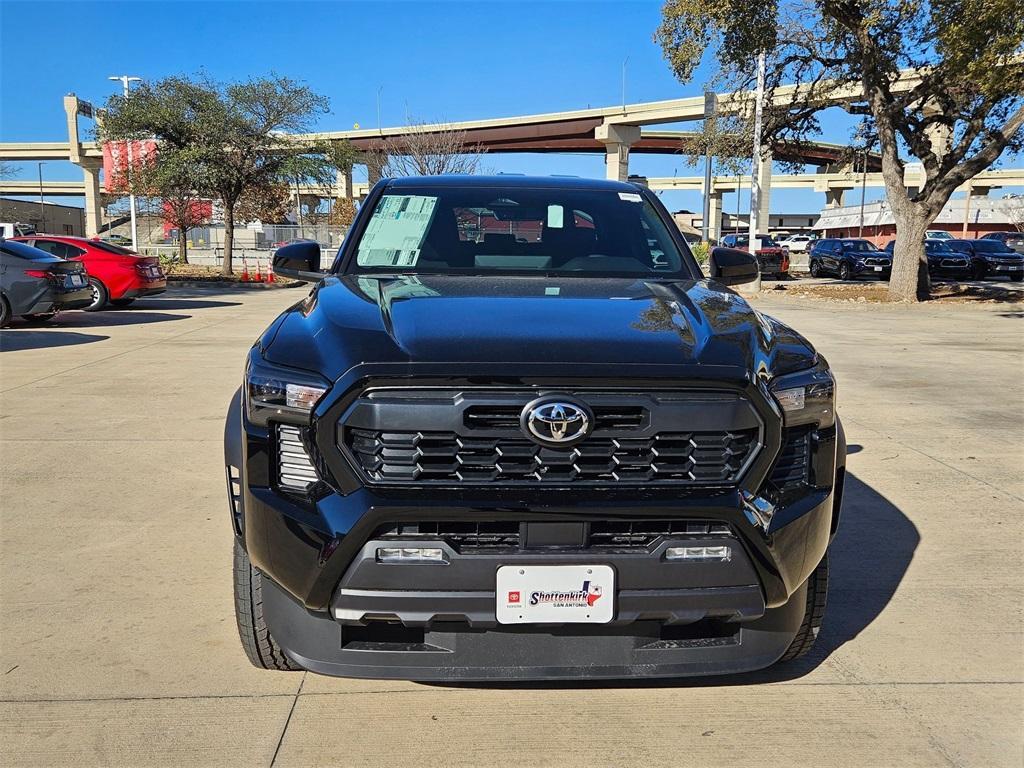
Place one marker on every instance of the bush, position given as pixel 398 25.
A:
pixel 700 252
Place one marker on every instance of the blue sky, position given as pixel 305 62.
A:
pixel 431 60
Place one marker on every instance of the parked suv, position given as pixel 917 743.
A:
pixel 772 259
pixel 514 433
pixel 849 258
pixel 37 285
pixel 943 260
pixel 990 258
pixel 1014 240
pixel 116 275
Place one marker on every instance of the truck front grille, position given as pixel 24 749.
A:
pixel 462 437
pixel 505 535
pixel 694 458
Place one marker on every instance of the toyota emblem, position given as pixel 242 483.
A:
pixel 556 421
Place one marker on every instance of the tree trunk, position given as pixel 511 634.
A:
pixel 910 281
pixel 229 237
pixel 182 246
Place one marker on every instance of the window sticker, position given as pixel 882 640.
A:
pixel 631 197
pixel 556 217
pixel 394 234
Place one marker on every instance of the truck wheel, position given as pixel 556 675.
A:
pixel 256 639
pixel 815 269
pixel 817 592
pixel 844 271
pixel 5 312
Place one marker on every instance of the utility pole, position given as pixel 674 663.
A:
pixel 967 210
pixel 710 107
pixel 863 189
pixel 42 208
pixel 126 81
pixel 625 61
pixel 755 184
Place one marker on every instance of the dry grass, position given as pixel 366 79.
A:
pixel 878 292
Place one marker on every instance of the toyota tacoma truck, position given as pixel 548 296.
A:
pixel 513 432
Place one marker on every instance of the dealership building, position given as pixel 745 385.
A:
pixel 51 218
pixel 967 217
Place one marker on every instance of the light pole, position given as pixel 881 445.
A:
pixel 755 181
pixel 42 209
pixel 863 189
pixel 126 81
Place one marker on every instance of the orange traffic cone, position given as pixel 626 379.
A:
pixel 259 273
pixel 270 275
pixel 245 271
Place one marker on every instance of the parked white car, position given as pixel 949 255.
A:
pixel 797 243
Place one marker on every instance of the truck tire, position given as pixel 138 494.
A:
pixel 256 639
pixel 814 613
pixel 5 312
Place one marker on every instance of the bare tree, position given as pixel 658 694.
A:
pixel 427 149
pixel 1014 208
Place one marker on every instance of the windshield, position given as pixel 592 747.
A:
pixel 992 246
pixel 938 234
pixel 858 245
pixel 766 240
pixel 570 232
pixel 935 247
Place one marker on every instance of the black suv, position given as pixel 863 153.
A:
pixel 514 433
pixel 849 258
pixel 943 259
pixel 990 258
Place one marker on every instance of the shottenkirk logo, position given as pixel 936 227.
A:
pixel 581 598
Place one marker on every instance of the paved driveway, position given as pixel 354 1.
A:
pixel 118 646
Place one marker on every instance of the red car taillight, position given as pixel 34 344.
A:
pixel 38 273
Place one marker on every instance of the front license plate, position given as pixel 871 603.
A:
pixel 877 269
pixel 555 594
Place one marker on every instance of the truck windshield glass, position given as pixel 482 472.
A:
pixel 568 232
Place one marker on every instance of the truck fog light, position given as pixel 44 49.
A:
pixel 411 555
pixel 698 553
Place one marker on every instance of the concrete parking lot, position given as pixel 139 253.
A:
pixel 117 639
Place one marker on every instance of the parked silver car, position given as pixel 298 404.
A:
pixel 37 285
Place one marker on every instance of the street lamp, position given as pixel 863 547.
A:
pixel 42 210
pixel 126 81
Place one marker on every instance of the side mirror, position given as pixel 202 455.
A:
pixel 299 261
pixel 731 266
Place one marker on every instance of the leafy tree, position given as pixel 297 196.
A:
pixel 962 106
pixel 268 203
pixel 235 136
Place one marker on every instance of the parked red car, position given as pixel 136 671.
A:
pixel 116 275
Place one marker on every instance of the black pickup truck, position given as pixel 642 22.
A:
pixel 514 433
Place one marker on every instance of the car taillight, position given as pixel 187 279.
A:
pixel 38 273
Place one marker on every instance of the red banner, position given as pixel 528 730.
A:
pixel 119 156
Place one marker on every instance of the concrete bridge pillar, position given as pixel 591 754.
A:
pixel 715 216
pixel 617 140
pixel 93 213
pixel 344 183
pixel 764 180
pixel 835 198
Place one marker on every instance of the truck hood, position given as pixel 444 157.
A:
pixel 579 325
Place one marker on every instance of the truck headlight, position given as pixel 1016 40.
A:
pixel 272 390
pixel 807 397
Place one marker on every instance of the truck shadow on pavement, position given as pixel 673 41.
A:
pixel 867 561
